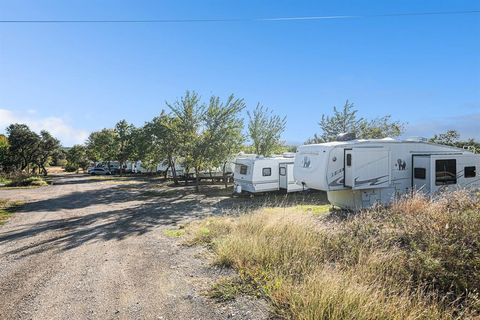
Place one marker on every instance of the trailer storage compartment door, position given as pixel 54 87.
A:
pixel 370 168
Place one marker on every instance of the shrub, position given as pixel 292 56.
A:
pixel 28 181
pixel 71 168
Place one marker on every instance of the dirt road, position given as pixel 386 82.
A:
pixel 95 249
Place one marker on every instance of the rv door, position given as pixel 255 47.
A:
pixel 283 175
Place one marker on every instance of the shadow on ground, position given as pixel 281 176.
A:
pixel 133 209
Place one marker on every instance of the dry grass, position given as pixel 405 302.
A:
pixel 419 259
pixel 7 208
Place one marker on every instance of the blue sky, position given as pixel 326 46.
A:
pixel 75 78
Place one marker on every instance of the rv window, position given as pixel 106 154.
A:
pixel 349 159
pixel 445 172
pixel 470 172
pixel 266 172
pixel 419 173
pixel 243 169
pixel 283 171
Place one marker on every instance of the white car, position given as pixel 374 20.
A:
pixel 99 171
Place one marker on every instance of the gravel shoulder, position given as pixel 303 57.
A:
pixel 87 248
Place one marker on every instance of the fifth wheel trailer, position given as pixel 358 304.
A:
pixel 358 174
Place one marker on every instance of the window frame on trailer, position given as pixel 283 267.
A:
pixel 242 167
pixel 449 177
pixel 348 161
pixel 282 172
pixel 269 172
pixel 472 173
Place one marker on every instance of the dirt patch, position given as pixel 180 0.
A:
pixel 86 248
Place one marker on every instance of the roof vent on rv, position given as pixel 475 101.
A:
pixel 347 136
pixel 417 139
pixel 288 155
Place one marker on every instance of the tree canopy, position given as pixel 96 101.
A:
pixel 265 130
pixel 346 120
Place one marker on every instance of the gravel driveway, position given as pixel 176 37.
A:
pixel 87 248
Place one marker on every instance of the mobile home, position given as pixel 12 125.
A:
pixel 264 174
pixel 360 173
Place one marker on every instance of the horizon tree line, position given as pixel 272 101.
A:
pixel 198 135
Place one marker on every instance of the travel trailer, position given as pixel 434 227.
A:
pixel 361 173
pixel 256 174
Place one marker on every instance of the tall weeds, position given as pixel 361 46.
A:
pixel 418 259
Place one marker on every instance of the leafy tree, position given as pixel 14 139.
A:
pixel 188 114
pixel 46 148
pixel 162 146
pixel 346 120
pixel 265 130
pixel 450 138
pixel 380 128
pixel 342 121
pixel 125 142
pixel 77 157
pixel 102 146
pixel 24 145
pixel 4 146
pixel 206 135
pixel 222 137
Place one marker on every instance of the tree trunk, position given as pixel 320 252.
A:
pixel 197 180
pixel 174 170
pixel 186 175
pixel 211 177
pixel 165 174
pixel 225 175
pixel 43 169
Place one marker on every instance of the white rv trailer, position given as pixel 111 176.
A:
pixel 264 174
pixel 360 173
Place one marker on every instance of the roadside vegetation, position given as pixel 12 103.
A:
pixel 7 208
pixel 418 259
pixel 22 180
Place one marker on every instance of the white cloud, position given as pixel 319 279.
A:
pixel 58 127
pixel 467 125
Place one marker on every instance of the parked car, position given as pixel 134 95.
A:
pixel 100 171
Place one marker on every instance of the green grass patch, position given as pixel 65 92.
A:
pixel 174 233
pixel 228 288
pixel 4 180
pixel 7 209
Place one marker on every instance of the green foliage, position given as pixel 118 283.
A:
pixel 102 145
pixel 77 158
pixel 4 145
pixel 47 148
pixel 158 141
pixel 346 120
pixel 449 138
pixel 28 149
pixel 222 136
pixel 125 140
pixel 174 233
pixel 452 138
pixel 206 135
pixel 265 130
pixel 24 145
pixel 342 121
